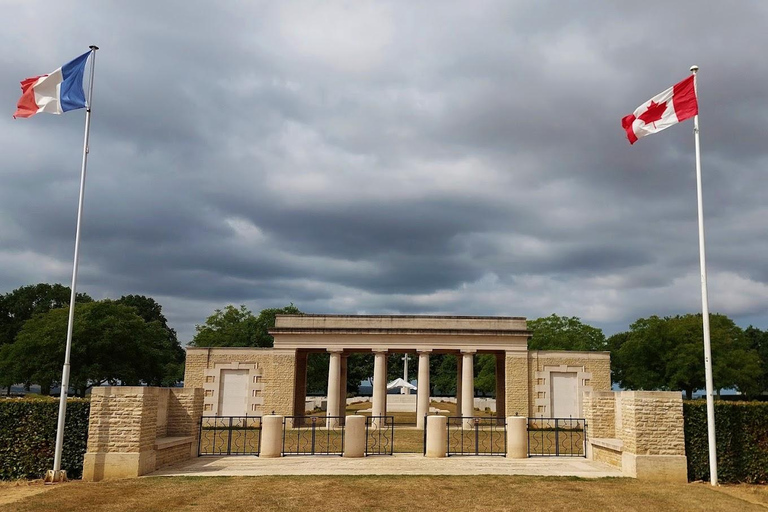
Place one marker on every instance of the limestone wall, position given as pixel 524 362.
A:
pixel 274 370
pixel 517 384
pixel 134 430
pixel 641 430
pixel 593 371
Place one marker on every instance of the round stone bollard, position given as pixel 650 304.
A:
pixel 271 436
pixel 437 436
pixel 354 436
pixel 517 437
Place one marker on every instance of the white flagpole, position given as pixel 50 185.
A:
pixel 704 304
pixel 57 474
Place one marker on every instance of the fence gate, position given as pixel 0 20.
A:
pixel 557 437
pixel 477 436
pixel 313 435
pixel 379 435
pixel 229 435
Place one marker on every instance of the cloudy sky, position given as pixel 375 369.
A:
pixel 391 157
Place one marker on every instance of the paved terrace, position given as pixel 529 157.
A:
pixel 400 464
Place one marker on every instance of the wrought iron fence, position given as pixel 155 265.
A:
pixel 313 435
pixel 379 435
pixel 229 435
pixel 557 437
pixel 477 436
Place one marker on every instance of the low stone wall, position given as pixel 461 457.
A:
pixel 134 430
pixel 646 433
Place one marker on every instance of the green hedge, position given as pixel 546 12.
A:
pixel 28 436
pixel 741 430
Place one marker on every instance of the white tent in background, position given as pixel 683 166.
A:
pixel 400 383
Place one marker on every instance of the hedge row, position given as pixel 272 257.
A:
pixel 28 436
pixel 741 431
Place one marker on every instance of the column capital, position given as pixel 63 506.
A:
pixel 335 350
pixel 468 351
pixel 379 350
pixel 424 351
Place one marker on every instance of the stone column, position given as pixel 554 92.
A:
pixel 334 377
pixel 379 405
pixel 501 391
pixel 300 385
pixel 467 384
pixel 422 399
pixel 343 387
pixel 458 384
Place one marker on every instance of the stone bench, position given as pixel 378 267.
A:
pixel 606 450
pixel 173 449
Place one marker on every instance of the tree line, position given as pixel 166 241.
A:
pixel 128 341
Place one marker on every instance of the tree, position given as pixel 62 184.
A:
pixel 668 353
pixel 149 310
pixel 562 333
pixel 233 327
pixel 22 303
pixel 758 341
pixel 485 374
pixel 111 344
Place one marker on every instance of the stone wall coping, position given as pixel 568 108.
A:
pixel 161 443
pixel 124 390
pixel 600 394
pixel 237 350
pixel 669 395
pixel 568 354
pixel 609 443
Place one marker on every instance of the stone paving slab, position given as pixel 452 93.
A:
pixel 401 464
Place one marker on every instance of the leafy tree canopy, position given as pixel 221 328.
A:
pixel 111 344
pixel 238 327
pixel 668 353
pixel 21 304
pixel 562 333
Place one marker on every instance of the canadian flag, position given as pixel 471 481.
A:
pixel 672 106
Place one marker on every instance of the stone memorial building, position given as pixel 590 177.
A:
pixel 258 381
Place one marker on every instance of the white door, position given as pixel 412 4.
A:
pixel 563 391
pixel 233 393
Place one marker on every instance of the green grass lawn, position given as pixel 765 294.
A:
pixel 385 493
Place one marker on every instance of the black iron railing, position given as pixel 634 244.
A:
pixel 477 436
pixel 313 435
pixel 557 437
pixel 229 435
pixel 379 435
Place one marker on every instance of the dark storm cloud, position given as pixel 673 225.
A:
pixel 378 158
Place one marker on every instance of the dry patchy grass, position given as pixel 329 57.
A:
pixel 390 493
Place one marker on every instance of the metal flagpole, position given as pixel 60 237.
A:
pixel 57 475
pixel 704 304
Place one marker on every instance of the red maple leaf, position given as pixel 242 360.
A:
pixel 653 113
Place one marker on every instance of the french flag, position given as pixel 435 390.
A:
pixel 56 92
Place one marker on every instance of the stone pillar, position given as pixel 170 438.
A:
pixel 343 388
pixel 122 431
pixel 467 384
pixel 300 384
pixel 271 436
pixel 458 384
pixel 422 399
pixel 516 385
pixel 379 405
pixel 436 436
pixel 334 382
pixel 501 392
pixel 517 437
pixel 354 436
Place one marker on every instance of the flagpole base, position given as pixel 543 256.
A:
pixel 54 477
